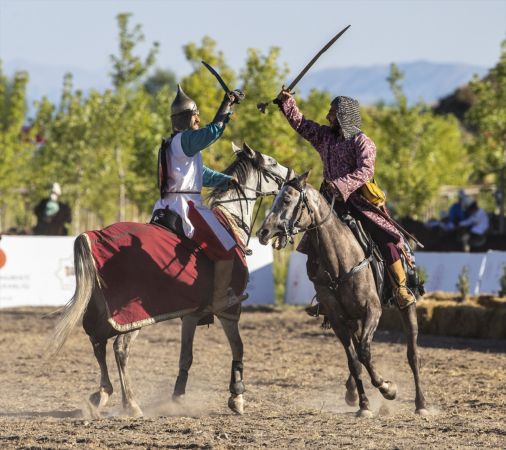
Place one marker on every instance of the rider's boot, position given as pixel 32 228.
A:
pixel 402 293
pixel 224 296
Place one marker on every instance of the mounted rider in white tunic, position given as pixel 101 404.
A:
pixel 182 175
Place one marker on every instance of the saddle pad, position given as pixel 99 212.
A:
pixel 148 274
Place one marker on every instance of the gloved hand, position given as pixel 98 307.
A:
pixel 235 96
pixel 283 95
pixel 331 188
pixel 233 182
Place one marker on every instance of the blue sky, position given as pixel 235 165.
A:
pixel 79 33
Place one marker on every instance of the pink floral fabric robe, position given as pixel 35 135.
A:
pixel 348 163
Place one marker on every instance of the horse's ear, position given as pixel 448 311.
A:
pixel 236 149
pixel 248 150
pixel 303 178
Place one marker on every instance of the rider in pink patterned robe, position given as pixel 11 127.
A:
pixel 348 157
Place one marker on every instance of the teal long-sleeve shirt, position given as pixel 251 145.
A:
pixel 194 141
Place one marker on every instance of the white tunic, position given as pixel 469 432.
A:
pixel 478 222
pixel 185 179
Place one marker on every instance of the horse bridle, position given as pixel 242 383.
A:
pixel 293 228
pixel 266 173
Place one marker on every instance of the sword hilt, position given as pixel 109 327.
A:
pixel 262 106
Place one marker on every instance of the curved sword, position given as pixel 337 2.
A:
pixel 218 77
pixel 262 106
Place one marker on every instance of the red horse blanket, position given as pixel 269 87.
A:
pixel 149 274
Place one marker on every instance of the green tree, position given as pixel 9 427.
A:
pixel 16 148
pixel 161 78
pixel 417 151
pixel 488 115
pixel 128 68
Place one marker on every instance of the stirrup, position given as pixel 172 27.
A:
pixel 313 310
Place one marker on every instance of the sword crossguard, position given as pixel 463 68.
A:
pixel 262 107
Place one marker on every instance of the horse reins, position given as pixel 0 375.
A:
pixel 294 229
pixel 259 193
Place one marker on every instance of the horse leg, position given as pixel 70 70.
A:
pixel 121 352
pixel 189 325
pixel 387 388
pixel 354 365
pixel 231 328
pixel 100 398
pixel 410 324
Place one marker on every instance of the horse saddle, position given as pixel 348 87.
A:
pixel 379 269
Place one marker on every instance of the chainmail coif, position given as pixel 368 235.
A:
pixel 348 115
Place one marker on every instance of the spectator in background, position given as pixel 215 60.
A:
pixel 52 215
pixel 474 227
pixel 457 211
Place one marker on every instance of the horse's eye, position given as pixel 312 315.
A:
pixel 286 201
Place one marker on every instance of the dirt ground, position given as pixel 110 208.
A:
pixel 294 374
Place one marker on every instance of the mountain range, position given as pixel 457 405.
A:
pixel 423 80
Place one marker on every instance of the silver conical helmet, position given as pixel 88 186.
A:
pixel 182 103
pixel 182 110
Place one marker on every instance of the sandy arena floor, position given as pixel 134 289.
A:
pixel 294 374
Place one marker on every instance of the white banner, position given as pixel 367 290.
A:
pixel 39 270
pixel 299 290
pixel 494 270
pixel 442 269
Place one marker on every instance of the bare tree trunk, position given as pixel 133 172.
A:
pixel 122 187
pixel 502 189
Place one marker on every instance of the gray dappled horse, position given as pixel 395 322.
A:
pixel 258 175
pixel 345 286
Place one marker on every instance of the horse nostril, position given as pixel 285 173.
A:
pixel 262 232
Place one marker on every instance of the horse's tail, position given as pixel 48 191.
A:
pixel 72 312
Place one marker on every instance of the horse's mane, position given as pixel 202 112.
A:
pixel 240 168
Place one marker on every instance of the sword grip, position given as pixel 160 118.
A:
pixel 262 106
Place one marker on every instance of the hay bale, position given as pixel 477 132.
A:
pixel 490 301
pixel 448 317
pixel 496 328
pixel 465 320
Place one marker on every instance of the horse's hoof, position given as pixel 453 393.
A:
pixel 134 411
pixel 100 398
pixel 179 399
pixel 423 412
pixel 90 410
pixel 389 391
pixel 364 413
pixel 351 398
pixel 236 403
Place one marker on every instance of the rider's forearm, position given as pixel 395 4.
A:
pixel 212 178
pixel 194 141
pixel 309 130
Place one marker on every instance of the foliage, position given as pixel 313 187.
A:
pixel 463 283
pixel 488 116
pixel 102 146
pixel 417 151
pixel 159 80
pixel 126 67
pixel 16 147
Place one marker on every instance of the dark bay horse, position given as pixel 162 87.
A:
pixel 258 175
pixel 345 286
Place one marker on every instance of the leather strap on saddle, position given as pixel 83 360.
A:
pixel 168 219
